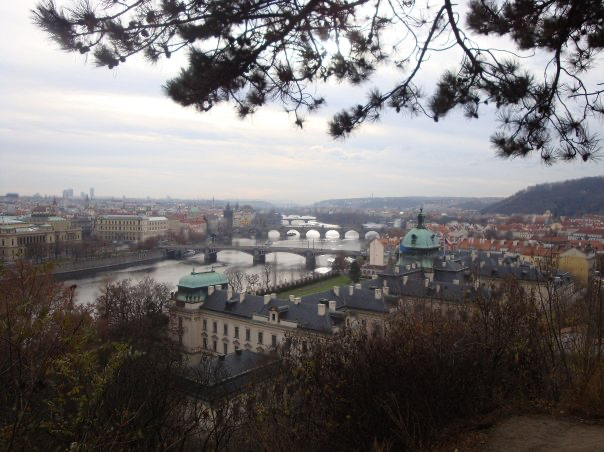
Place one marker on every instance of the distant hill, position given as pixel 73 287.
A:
pixel 410 202
pixel 569 198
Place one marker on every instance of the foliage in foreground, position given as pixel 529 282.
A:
pixel 250 52
pixel 73 378
pixel 108 378
pixel 401 387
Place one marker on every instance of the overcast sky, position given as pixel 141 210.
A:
pixel 66 124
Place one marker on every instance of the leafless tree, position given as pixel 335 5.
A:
pixel 236 278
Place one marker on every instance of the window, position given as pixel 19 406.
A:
pixel 248 334
pixel 214 345
pixel 237 332
pixel 274 340
pixel 205 324
pixel 205 343
pixel 260 337
pixel 226 329
pixel 215 327
pixel 274 317
pixel 225 347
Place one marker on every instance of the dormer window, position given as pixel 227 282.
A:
pixel 273 317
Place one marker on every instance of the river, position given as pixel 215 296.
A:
pixel 288 266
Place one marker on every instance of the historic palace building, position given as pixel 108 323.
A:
pixel 131 228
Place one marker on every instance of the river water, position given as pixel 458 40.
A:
pixel 288 266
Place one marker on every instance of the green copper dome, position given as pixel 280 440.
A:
pixel 198 280
pixel 420 238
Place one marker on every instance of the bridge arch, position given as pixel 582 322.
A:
pixel 372 235
pixel 313 234
pixel 332 234
pixel 273 234
pixel 295 235
pixel 352 235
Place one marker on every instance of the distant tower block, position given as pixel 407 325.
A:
pixel 92 193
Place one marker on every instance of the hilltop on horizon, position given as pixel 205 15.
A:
pixel 568 198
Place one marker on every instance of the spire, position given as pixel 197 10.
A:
pixel 420 218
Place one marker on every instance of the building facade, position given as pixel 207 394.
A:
pixel 35 237
pixel 132 228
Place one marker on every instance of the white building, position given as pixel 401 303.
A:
pixel 207 316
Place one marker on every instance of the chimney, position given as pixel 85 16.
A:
pixel 386 290
pixel 408 267
pixel 488 254
pixel 431 276
pixel 332 305
pixel 481 264
pixel 385 283
pixel 350 289
pixel 405 278
pixel 374 276
pixel 426 282
pixel 297 300
pixel 321 307
pixel 357 286
pixel 291 298
pixel 241 296
pixel 378 294
pixel 444 263
pixel 336 290
pixel 210 290
pixel 267 298
pixel 397 269
pixel 437 288
pixel 229 293
pixel 273 296
pixel 456 282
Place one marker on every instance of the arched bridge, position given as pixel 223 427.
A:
pixel 258 252
pixel 303 229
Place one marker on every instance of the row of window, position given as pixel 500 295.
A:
pixel 248 332
pixel 120 221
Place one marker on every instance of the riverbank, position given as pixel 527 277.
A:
pixel 90 267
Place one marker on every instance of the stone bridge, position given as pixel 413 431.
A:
pixel 303 230
pixel 258 252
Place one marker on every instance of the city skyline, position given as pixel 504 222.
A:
pixel 67 123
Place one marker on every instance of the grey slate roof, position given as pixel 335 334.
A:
pixel 224 375
pixel 304 314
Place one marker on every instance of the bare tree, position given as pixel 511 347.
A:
pixel 252 282
pixel 269 273
pixel 236 278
